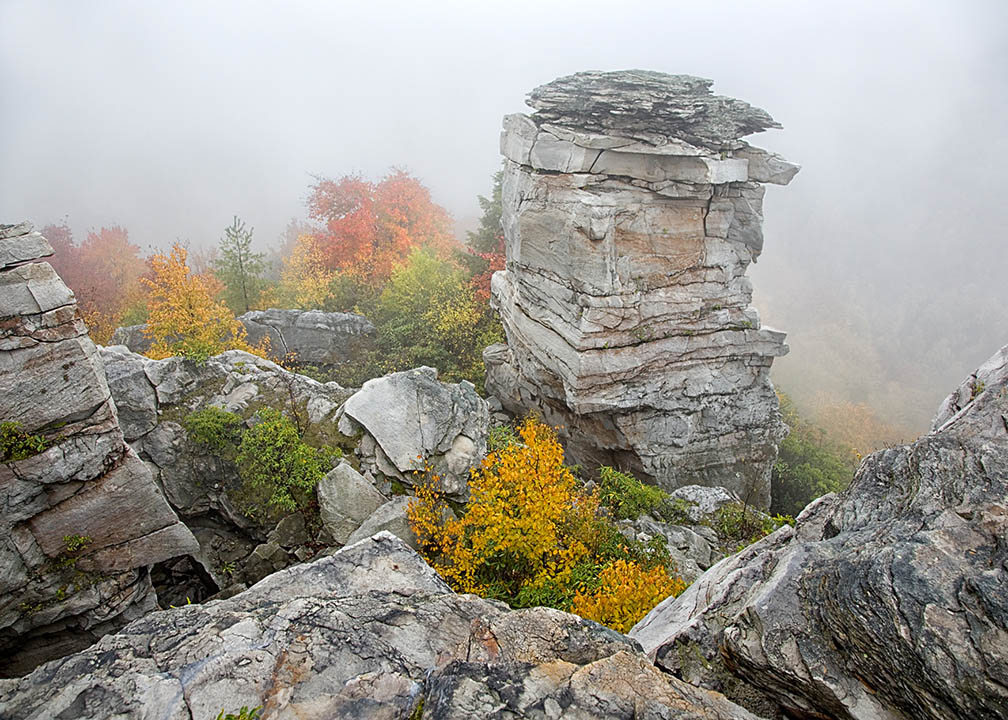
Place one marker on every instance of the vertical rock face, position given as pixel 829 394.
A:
pixel 82 519
pixel 631 212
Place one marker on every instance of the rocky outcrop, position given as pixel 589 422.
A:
pixel 887 601
pixel 631 210
pixel 371 632
pixel 309 337
pixel 154 397
pixel 82 520
pixel 407 421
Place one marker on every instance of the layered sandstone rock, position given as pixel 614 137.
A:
pixel 887 601
pixel 309 337
pixel 631 212
pixel 370 632
pixel 81 521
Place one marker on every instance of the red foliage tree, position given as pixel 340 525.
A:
pixel 103 272
pixel 370 228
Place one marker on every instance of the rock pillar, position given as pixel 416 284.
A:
pixel 631 210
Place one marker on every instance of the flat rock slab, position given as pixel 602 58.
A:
pixel 368 632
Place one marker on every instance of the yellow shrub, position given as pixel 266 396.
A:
pixel 531 536
pixel 626 593
pixel 523 521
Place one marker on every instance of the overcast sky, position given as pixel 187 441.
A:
pixel 168 118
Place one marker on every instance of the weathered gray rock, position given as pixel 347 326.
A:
pixel 80 522
pixel 630 216
pixel 132 337
pixel 887 601
pixel 700 502
pixel 155 396
pixel 409 419
pixel 310 336
pixel 346 499
pixel 368 632
pixel 389 517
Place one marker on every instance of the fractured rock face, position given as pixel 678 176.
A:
pixel 309 336
pixel 631 210
pixel 370 632
pixel 154 397
pixel 887 601
pixel 408 419
pixel 81 521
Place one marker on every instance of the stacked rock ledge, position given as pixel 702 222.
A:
pixel 82 520
pixel 631 210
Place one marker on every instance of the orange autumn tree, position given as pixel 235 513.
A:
pixel 183 316
pixel 371 228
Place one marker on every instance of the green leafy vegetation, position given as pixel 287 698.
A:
pixel 738 525
pixel 427 314
pixel 273 458
pixel 239 269
pixel 16 444
pixel 500 436
pixel 808 465
pixel 73 543
pixel 243 714
pixel 215 430
pixel 626 496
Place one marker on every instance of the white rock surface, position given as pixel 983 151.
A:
pixel 409 419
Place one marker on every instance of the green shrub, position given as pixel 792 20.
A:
pixel 808 464
pixel 626 496
pixel 214 430
pixel 16 444
pixel 738 525
pixel 500 436
pixel 427 314
pixel 273 458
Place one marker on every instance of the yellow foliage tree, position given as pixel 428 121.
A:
pixel 305 280
pixel 183 316
pixel 525 520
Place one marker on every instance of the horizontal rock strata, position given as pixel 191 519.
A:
pixel 310 337
pixel 370 632
pixel 887 601
pixel 631 210
pixel 81 521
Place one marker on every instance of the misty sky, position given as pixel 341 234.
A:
pixel 168 118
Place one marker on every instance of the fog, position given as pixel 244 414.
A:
pixel 885 258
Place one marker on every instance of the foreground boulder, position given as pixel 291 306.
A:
pixel 407 421
pixel 81 520
pixel 887 601
pixel 631 210
pixel 370 632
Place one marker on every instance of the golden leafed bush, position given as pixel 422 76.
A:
pixel 531 535
pixel 626 592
